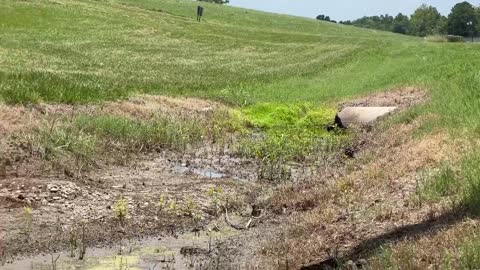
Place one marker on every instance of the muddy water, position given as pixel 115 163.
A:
pixel 212 174
pixel 187 251
pixel 207 173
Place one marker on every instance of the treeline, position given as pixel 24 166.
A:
pixel 325 18
pixel 221 2
pixel 463 20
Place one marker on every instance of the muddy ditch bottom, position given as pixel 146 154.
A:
pixel 207 173
pixel 187 251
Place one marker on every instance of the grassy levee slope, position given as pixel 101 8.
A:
pixel 87 51
pixel 81 51
pixel 90 51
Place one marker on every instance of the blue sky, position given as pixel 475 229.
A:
pixel 344 9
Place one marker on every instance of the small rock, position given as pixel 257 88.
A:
pixel 193 251
pixel 362 263
pixel 351 266
pixel 54 189
pixel 21 197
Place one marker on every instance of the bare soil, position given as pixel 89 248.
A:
pixel 344 209
pixel 401 97
pixel 367 203
pixel 63 201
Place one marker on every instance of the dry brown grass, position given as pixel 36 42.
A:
pixel 12 119
pixel 20 118
pixel 144 106
pixel 371 200
pixel 404 97
pixel 31 135
pixel 439 250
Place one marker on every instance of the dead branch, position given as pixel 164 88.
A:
pixel 54 261
pixel 235 226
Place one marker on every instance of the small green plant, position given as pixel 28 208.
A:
pixel 470 254
pixel 440 184
pixel 447 262
pixel 191 208
pixel 121 209
pixel 471 175
pixel 162 202
pixel 386 257
pixel 173 207
pixel 83 241
pixel 72 241
pixel 27 215
pixel 123 265
pixel 217 199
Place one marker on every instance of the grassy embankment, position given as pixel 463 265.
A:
pixel 271 65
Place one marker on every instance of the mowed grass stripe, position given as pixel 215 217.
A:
pixel 90 51
pixel 134 50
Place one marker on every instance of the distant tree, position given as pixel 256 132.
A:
pixel 477 15
pixel 442 25
pixel 346 22
pixel 460 18
pixel 426 20
pixel 325 18
pixel 401 24
pixel 382 22
pixel 221 2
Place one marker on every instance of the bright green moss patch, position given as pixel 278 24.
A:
pixel 318 119
pixel 288 133
pixel 270 116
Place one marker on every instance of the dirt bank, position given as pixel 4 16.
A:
pixel 335 203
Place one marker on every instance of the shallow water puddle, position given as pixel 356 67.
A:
pixel 187 251
pixel 212 174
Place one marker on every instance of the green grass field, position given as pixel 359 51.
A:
pixel 277 70
pixel 89 51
